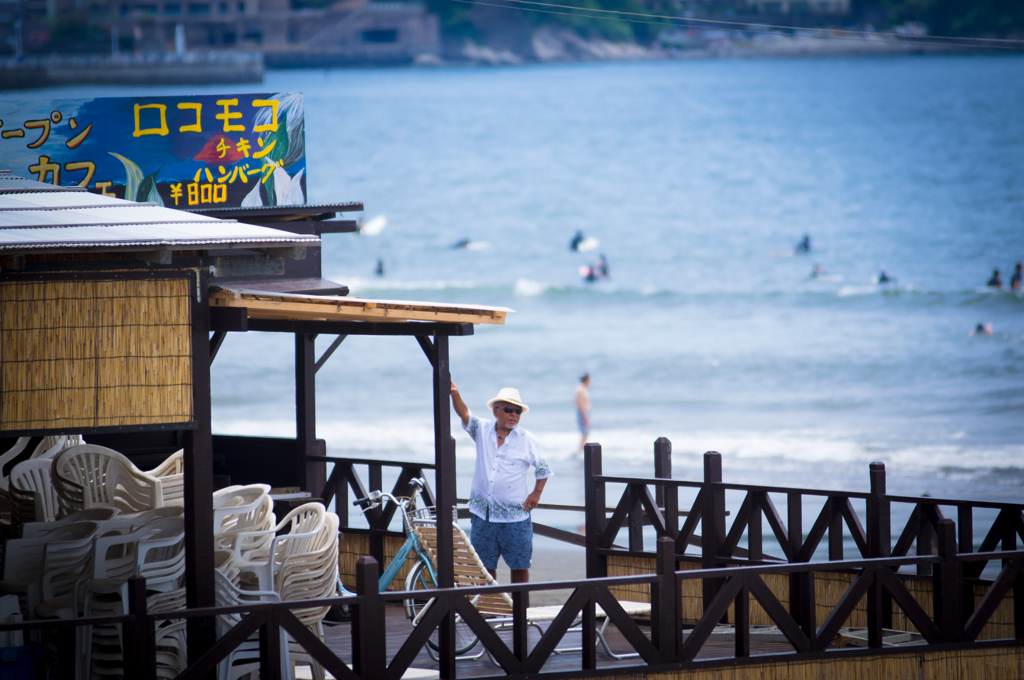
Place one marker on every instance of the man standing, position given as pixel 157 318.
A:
pixel 498 500
pixel 583 408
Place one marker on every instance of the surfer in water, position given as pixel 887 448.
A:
pixel 883 277
pixel 463 243
pixel 804 246
pixel 996 281
pixel 818 271
pixel 602 266
pixel 982 329
pixel 1018 274
pixel 380 267
pixel 577 239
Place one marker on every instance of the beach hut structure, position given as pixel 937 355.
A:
pixel 106 313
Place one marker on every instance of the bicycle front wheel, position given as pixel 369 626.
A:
pixel 419 579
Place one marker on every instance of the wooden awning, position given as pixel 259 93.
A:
pixel 274 305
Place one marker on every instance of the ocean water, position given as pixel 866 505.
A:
pixel 698 178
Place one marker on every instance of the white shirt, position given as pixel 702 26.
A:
pixel 499 481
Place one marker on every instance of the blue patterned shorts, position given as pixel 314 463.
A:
pixel 510 540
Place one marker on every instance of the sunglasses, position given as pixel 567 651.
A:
pixel 508 409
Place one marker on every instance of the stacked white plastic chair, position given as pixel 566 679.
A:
pixel 312 575
pixel 33 496
pixel 49 446
pixel 155 551
pixel 29 562
pixel 238 509
pixel 89 476
pixel 171 474
pixel 245 658
pixel 302 525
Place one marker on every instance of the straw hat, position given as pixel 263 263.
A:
pixel 509 394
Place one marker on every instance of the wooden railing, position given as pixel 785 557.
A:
pixel 672 645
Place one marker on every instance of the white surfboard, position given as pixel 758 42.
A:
pixel 588 244
pixel 374 226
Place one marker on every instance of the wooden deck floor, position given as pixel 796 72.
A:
pixel 338 638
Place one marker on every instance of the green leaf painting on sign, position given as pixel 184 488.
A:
pixel 133 179
pixel 279 139
pixel 147 189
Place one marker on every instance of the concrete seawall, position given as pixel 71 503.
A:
pixel 151 69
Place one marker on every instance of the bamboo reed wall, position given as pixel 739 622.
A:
pixel 828 589
pixel 978 664
pixel 95 353
pixel 353 546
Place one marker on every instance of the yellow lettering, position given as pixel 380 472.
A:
pixel 197 107
pixel 162 130
pixel 263 103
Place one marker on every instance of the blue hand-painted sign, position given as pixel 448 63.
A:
pixel 205 151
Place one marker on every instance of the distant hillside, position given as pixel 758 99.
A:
pixel 992 18
pixel 505 28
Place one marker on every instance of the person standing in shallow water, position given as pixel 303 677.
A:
pixel 498 500
pixel 583 408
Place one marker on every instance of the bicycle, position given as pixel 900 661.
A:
pixel 422 576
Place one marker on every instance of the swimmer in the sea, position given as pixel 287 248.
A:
pixel 982 329
pixel 996 281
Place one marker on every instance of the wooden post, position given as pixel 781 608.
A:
pixel 662 466
pixel 369 658
pixel 965 544
pixel 667 496
pixel 139 653
pixel 835 528
pixel 801 596
pixel 946 584
pixel 305 411
pixel 874 607
pixel 595 513
pixel 444 459
pixel 520 630
pixel 270 648
pixel 925 534
pixel 755 540
pixel 636 518
pixel 742 627
pixel 665 602
pixel 879 529
pixel 199 481
pixel 712 521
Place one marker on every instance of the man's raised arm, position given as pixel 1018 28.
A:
pixel 460 406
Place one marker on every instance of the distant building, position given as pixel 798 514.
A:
pixel 349 31
pixel 800 6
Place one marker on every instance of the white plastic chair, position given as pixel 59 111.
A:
pixel 171 473
pixel 88 476
pixel 5 459
pixel 311 576
pixel 24 560
pixel 302 524
pixel 239 509
pixel 157 553
pixel 98 515
pixel 245 658
pixel 33 497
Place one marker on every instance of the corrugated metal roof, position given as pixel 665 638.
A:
pixel 36 217
pixel 304 209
